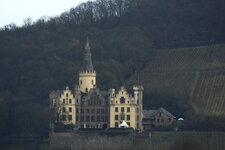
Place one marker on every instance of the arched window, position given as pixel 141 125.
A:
pixel 122 100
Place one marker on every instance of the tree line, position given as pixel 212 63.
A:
pixel 124 34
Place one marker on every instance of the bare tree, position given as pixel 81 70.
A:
pixel 55 113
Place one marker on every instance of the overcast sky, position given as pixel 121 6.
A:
pixel 15 11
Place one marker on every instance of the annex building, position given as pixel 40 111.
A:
pixel 86 106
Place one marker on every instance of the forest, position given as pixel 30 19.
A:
pixel 125 35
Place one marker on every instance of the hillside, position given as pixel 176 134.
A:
pixel 125 37
pixel 194 76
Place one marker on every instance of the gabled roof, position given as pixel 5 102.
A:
pixel 162 110
pixel 152 112
pixel 149 113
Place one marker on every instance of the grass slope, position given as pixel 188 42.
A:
pixel 164 140
pixel 193 75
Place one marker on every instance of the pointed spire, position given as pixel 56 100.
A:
pixel 87 47
pixel 87 64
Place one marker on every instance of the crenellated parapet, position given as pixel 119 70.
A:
pixel 87 73
pixel 138 88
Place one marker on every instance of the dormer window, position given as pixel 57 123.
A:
pixel 122 100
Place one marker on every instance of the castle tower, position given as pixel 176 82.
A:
pixel 138 97
pixel 87 76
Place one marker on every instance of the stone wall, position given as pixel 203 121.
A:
pixel 93 140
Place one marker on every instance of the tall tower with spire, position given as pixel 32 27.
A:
pixel 87 76
pixel 89 107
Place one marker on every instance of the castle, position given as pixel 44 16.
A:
pixel 86 106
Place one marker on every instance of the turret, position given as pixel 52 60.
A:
pixel 138 96
pixel 112 93
pixel 87 76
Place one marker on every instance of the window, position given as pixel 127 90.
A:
pixel 80 81
pixel 128 109
pixel 82 111
pixel 98 111
pixel 106 118
pixel 70 109
pixel 122 100
pixel 86 89
pixel 137 101
pixel 77 118
pixel 168 119
pixel 63 117
pixel 64 101
pixel 92 82
pixel 82 118
pixel 70 101
pixel 116 117
pixel 67 94
pixel 122 109
pixel 87 118
pixel 69 117
pixel 122 116
pixel 93 118
pixel 102 118
pixel 116 109
pixel 77 100
pixel 102 111
pixel 106 110
pixel 87 111
pixel 77 110
pixel 128 117
pixel 93 111
pixel 116 124
pixel 137 117
pixel 98 118
pixel 64 109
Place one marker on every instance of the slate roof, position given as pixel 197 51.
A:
pixel 152 112
pixel 87 62
pixel 104 94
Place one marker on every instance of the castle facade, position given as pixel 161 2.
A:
pixel 88 107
